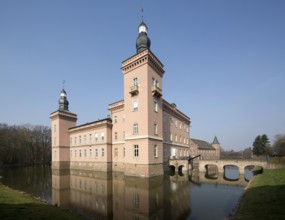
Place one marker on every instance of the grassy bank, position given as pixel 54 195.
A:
pixel 264 198
pixel 18 205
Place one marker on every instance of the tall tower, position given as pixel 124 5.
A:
pixel 217 146
pixel 61 121
pixel 143 74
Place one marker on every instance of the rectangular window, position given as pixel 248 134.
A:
pixel 115 119
pixel 75 140
pixel 71 153
pixel 155 129
pixel 124 152
pixel 54 128
pixel 85 153
pixel 155 151
pixel 135 105
pixel 135 128
pixel 137 200
pixel 79 139
pixel 103 152
pixel 96 137
pixel 96 152
pixel 102 136
pixel 124 118
pixel 154 82
pixel 171 137
pixel 135 81
pixel 79 153
pixel 90 152
pixel 155 105
pixel 136 150
pixel 116 152
pixel 116 135
pixel 90 138
pixel 176 138
pixel 84 139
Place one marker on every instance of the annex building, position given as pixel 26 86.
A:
pixel 142 133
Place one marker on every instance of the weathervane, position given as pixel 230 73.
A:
pixel 142 13
pixel 63 84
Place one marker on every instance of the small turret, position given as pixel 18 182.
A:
pixel 63 102
pixel 215 141
pixel 143 42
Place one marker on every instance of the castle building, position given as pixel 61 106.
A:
pixel 143 131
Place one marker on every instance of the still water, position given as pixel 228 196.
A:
pixel 114 196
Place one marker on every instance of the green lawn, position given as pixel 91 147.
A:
pixel 18 205
pixel 264 198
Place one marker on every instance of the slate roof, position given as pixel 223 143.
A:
pixel 203 145
pixel 215 141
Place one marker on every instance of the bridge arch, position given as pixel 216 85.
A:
pixel 231 172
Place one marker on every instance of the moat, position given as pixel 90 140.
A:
pixel 115 196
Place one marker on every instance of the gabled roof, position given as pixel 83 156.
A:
pixel 203 145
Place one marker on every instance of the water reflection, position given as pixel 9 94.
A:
pixel 97 195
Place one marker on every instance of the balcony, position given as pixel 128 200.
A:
pixel 134 90
pixel 156 91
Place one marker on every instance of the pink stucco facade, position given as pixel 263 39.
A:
pixel 143 131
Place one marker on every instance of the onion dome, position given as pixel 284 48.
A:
pixel 63 102
pixel 143 42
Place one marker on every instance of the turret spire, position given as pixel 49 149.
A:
pixel 143 42
pixel 63 102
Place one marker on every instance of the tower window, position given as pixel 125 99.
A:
pixel 155 129
pixel 136 150
pixel 155 151
pixel 135 81
pixel 135 105
pixel 155 105
pixel 135 128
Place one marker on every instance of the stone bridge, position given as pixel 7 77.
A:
pixel 182 164
pixel 221 164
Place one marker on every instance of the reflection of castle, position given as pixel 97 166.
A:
pixel 100 196
pixel 142 133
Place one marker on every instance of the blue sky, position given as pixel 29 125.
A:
pixel 224 61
